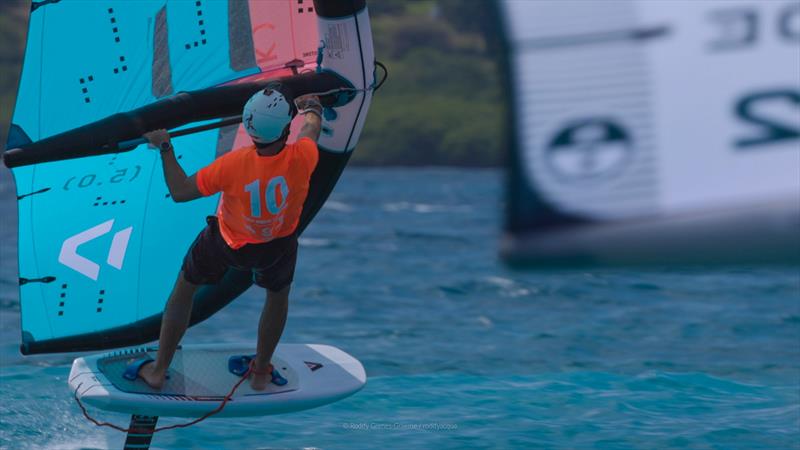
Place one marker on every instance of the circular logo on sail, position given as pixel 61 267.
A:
pixel 588 149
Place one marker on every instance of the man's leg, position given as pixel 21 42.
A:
pixel 173 325
pixel 270 328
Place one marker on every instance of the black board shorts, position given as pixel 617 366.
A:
pixel 209 257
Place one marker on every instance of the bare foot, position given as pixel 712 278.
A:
pixel 260 378
pixel 153 378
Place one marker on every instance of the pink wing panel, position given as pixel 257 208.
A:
pixel 306 35
pixel 283 31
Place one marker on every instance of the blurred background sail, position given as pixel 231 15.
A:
pixel 652 132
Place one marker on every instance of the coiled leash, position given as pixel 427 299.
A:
pixel 218 409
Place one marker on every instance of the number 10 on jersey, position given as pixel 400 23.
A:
pixel 275 196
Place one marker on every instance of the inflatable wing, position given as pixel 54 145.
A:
pixel 100 241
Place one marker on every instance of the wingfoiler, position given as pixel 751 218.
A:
pixel 99 237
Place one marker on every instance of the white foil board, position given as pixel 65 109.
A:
pixel 199 379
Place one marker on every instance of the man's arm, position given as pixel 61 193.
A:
pixel 309 106
pixel 181 187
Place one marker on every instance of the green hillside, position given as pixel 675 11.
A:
pixel 442 103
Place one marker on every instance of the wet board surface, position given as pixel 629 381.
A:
pixel 199 379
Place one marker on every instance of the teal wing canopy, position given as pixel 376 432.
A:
pixel 100 240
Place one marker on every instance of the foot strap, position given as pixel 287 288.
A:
pixel 241 365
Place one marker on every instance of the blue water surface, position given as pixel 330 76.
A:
pixel 400 269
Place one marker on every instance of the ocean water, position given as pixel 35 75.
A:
pixel 400 269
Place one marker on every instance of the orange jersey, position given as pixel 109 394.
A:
pixel 262 196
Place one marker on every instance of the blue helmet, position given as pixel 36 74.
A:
pixel 266 116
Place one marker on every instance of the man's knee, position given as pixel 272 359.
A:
pixel 184 283
pixel 280 296
pixel 183 288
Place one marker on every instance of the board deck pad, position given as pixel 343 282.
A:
pixel 196 374
pixel 199 379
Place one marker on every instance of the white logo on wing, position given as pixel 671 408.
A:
pixel 116 254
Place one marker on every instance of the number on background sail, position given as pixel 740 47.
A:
pixel 100 240
pixel 631 112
